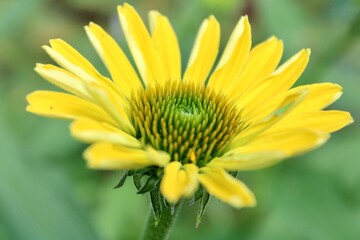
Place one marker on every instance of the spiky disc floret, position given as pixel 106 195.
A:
pixel 188 121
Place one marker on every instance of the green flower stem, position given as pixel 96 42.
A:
pixel 162 229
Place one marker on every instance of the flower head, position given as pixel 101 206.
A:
pixel 187 134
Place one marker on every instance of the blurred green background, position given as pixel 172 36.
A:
pixel 46 191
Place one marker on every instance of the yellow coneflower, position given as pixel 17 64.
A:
pixel 187 133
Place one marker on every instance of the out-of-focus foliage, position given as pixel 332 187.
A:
pixel 46 191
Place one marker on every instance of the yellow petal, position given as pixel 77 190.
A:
pixel 204 52
pixel 166 45
pixel 63 79
pixel 233 59
pixel 291 142
pixel 170 186
pixel 192 182
pixel 71 60
pixel 178 181
pixel 112 105
pixel 219 183
pixel 90 131
pixel 262 61
pixel 256 128
pixel 141 46
pixel 114 58
pixel 74 62
pixel 319 96
pixel 108 156
pixel 324 121
pixel 66 106
pixel 293 68
pixel 233 161
pixel 281 80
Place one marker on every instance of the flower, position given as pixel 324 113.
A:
pixel 189 132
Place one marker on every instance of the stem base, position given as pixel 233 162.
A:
pixel 162 229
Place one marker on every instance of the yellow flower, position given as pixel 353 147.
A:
pixel 187 131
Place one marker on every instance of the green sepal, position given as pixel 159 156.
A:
pixel 203 203
pixel 159 172
pixel 122 180
pixel 145 171
pixel 172 209
pixel 198 194
pixel 191 201
pixel 137 181
pixel 233 173
pixel 166 204
pixel 155 199
pixel 149 185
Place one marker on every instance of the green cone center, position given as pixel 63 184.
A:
pixel 191 123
